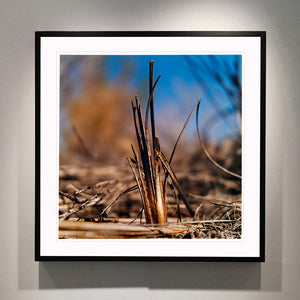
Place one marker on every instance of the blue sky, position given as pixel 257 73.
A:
pixel 184 80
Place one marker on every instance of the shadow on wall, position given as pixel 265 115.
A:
pixel 154 275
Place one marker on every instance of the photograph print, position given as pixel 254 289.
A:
pixel 152 147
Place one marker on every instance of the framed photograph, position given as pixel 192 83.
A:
pixel 150 146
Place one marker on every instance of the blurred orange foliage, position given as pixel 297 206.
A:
pixel 100 117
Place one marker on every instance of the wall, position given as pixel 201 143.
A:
pixel 22 278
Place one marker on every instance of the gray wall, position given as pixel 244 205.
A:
pixel 22 278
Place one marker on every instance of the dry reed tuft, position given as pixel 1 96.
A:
pixel 148 166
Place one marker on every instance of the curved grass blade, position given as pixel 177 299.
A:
pixel 176 143
pixel 207 153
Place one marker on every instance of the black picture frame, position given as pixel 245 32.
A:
pixel 40 155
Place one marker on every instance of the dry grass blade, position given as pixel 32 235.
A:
pixel 150 104
pixel 176 143
pixel 102 230
pixel 225 203
pixel 151 89
pixel 82 143
pixel 150 100
pixel 145 200
pixel 138 215
pixel 213 200
pixel 207 153
pixel 175 181
pixel 74 210
pixel 161 215
pixel 72 198
pixel 130 189
pixel 96 185
pixel 183 128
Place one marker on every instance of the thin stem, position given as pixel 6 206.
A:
pixel 206 152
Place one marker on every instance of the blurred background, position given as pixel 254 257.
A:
pixel 96 120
